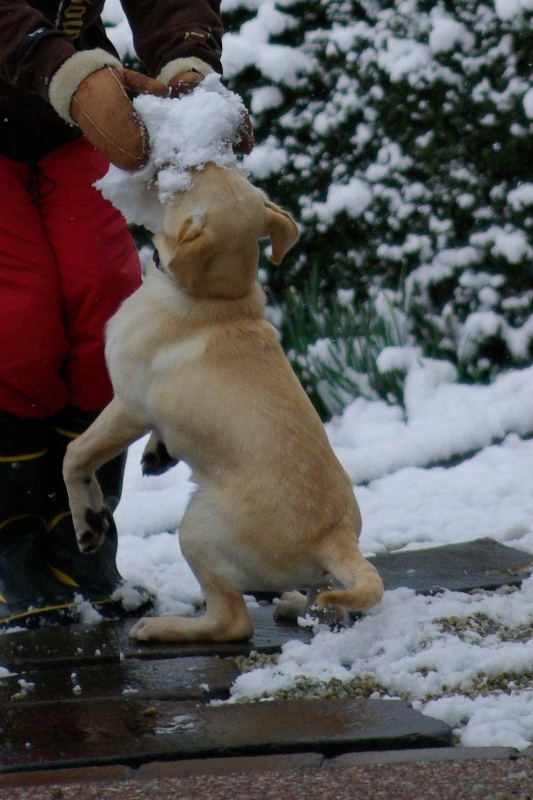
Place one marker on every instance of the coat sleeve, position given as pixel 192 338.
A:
pixel 167 30
pixel 31 49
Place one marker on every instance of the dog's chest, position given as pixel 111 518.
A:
pixel 144 341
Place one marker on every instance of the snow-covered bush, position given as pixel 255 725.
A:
pixel 400 136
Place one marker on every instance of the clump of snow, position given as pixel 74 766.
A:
pixel 4 672
pixel 511 244
pixel 130 597
pixel 118 28
pixel 447 33
pixel 401 359
pixel 528 104
pixel 266 158
pixel 265 97
pixel 507 9
pixel 352 198
pixel 85 611
pixel 251 47
pixel 403 57
pixel 185 133
pixel 521 197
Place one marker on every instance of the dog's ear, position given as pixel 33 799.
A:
pixel 281 228
pixel 189 251
pixel 190 229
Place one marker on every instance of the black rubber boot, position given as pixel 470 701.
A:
pixel 93 575
pixel 29 592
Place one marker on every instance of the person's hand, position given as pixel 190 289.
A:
pixel 185 82
pixel 103 110
pixel 136 83
pixel 245 143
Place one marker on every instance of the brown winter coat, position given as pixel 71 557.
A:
pixel 37 37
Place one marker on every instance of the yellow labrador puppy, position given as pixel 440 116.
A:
pixel 193 359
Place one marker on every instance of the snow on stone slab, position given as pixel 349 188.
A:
pixel 408 648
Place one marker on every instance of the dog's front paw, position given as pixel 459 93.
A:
pixel 156 459
pixel 95 529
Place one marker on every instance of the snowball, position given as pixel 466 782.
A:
pixel 185 133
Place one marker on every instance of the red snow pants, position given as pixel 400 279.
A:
pixel 66 263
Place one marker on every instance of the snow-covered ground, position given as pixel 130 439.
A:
pixel 464 658
pixel 455 467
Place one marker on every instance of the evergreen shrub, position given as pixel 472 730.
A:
pixel 399 134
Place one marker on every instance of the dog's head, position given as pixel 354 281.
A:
pixel 210 237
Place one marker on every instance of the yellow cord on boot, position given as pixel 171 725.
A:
pixel 25 457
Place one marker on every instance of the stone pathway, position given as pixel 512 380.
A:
pixel 86 705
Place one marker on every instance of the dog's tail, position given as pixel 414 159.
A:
pixel 364 587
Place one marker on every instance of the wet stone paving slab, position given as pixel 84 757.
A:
pixel 134 732
pixel 88 696
pixel 109 641
pixel 479 564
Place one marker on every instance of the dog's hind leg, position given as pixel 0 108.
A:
pixel 206 544
pixel 293 605
pixel 226 619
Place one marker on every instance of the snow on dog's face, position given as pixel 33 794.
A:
pixel 210 236
pixel 185 133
